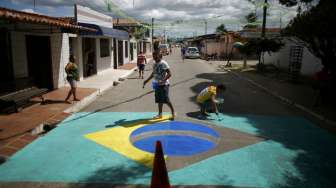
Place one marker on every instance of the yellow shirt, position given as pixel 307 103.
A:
pixel 206 94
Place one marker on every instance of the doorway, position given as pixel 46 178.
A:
pixel 144 48
pixel 6 71
pixel 131 51
pixel 120 53
pixel 89 57
pixel 39 60
pixel 115 59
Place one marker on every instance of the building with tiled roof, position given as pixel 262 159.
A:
pixel 35 48
pixel 15 16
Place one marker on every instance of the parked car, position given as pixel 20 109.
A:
pixel 164 49
pixel 192 52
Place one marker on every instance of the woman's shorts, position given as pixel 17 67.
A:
pixel 72 82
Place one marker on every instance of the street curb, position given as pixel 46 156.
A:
pixel 89 99
pixel 286 100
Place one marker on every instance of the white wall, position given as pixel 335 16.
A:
pixel 59 44
pixel 310 63
pixel 79 56
pixel 60 57
pixel 148 48
pixel 134 52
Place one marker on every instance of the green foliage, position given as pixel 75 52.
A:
pixel 139 32
pixel 291 3
pixel 108 5
pixel 221 29
pixel 251 19
pixel 261 45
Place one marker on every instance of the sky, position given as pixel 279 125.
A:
pixel 175 18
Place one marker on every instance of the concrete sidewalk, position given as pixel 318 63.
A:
pixel 19 129
pixel 102 83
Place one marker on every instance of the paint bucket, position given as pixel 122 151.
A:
pixel 220 100
pixel 155 85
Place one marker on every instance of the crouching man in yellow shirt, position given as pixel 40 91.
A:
pixel 208 97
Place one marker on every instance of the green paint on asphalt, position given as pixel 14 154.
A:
pixel 295 154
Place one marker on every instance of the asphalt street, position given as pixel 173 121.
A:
pixel 188 79
pixel 256 141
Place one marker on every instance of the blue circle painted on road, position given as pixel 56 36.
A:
pixel 176 126
pixel 175 145
pixel 178 138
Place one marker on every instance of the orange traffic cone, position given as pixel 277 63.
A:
pixel 160 177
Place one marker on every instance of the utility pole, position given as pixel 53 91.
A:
pixel 153 34
pixel 280 20
pixel 34 6
pixel 206 27
pixel 263 29
pixel 133 4
pixel 164 34
pixel 206 50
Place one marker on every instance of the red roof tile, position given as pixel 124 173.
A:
pixel 19 16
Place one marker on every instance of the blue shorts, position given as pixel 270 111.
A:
pixel 162 94
pixel 141 67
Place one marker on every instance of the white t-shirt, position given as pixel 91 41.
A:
pixel 160 71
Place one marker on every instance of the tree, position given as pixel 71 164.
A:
pixel 251 19
pixel 316 28
pixel 291 3
pixel 298 3
pixel 139 31
pixel 265 5
pixel 221 29
pixel 259 46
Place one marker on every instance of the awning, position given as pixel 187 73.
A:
pixel 104 31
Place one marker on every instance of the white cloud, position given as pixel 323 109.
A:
pixel 28 10
pixel 193 12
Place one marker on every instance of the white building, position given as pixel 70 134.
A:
pixel 310 64
pixel 143 43
pixel 34 49
pixel 98 51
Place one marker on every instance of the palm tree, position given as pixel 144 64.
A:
pixel 221 29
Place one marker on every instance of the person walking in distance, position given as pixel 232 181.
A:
pixel 71 70
pixel 141 61
pixel 183 51
pixel 161 74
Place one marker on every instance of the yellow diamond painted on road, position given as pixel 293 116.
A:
pixel 118 139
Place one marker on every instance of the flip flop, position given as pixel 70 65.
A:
pixel 157 117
